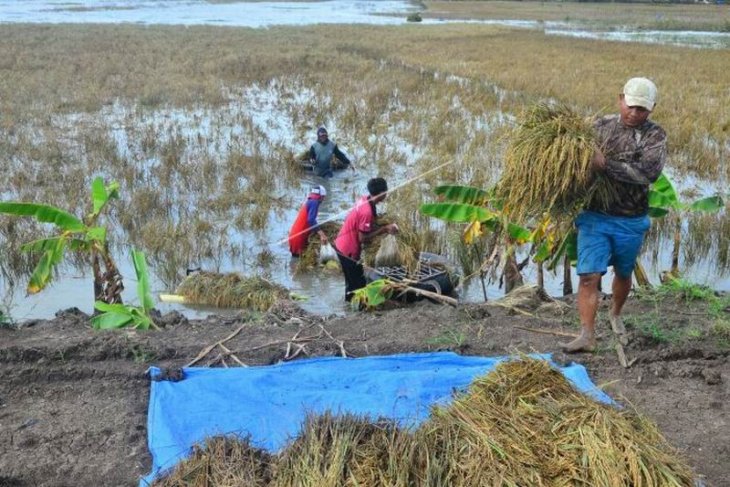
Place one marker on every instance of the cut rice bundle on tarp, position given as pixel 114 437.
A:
pixel 521 424
pixel 346 451
pixel 222 461
pixel 231 290
pixel 547 167
pixel 524 424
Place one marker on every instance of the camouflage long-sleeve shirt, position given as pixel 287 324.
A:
pixel 634 159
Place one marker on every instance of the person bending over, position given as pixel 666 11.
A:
pixel 360 228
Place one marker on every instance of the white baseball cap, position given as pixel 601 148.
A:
pixel 320 190
pixel 640 92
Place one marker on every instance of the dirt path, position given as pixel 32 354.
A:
pixel 73 402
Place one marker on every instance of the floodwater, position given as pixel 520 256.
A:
pixel 261 105
pixel 265 14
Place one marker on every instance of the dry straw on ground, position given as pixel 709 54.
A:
pixel 231 291
pixel 548 165
pixel 522 424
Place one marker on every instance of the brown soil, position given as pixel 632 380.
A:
pixel 73 401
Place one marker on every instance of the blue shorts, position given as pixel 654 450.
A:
pixel 605 240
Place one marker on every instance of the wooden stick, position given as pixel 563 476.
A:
pixel 547 332
pixel 622 356
pixel 338 342
pixel 230 354
pixel 209 348
pixel 435 296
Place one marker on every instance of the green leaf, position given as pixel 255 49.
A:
pixel 662 194
pixel 657 212
pixel 709 204
pixel 568 246
pixel 110 320
pixel 457 212
pixel 543 251
pixel 97 234
pixel 44 269
pixel 111 308
pixel 519 234
pixel 41 245
pixel 143 285
pixel 100 194
pixel 44 214
pixel 463 194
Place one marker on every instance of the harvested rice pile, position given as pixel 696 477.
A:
pixel 547 166
pixel 524 424
pixel 346 450
pixel 231 291
pixel 521 425
pixel 222 461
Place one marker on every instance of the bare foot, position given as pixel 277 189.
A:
pixel 584 343
pixel 617 324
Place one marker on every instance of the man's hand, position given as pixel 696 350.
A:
pixel 392 229
pixel 322 237
pixel 598 161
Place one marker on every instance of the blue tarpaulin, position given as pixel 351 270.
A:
pixel 269 403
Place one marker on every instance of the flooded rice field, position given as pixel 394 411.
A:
pixel 202 127
pixel 218 188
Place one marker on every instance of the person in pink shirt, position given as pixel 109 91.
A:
pixel 360 228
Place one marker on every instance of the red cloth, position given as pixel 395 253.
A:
pixel 360 219
pixel 299 232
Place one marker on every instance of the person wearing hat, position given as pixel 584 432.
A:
pixel 360 228
pixel 321 153
pixel 630 155
pixel 306 222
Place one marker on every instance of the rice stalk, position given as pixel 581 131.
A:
pixel 547 166
pixel 524 424
pixel 221 461
pixel 346 450
pixel 309 258
pixel 231 291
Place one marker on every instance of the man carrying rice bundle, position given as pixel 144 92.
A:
pixel 360 228
pixel 632 155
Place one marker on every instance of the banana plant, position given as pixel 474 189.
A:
pixel 119 315
pixel 374 294
pixel 663 199
pixel 482 212
pixel 74 234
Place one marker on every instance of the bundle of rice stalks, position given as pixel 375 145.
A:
pixel 231 291
pixel 524 424
pixel 410 244
pixel 310 257
pixel 346 451
pixel 221 461
pixel 547 166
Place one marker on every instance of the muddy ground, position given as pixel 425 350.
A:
pixel 73 401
